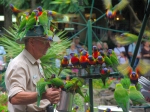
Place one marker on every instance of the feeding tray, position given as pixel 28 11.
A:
pixel 113 108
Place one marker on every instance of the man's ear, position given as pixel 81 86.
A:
pixel 31 41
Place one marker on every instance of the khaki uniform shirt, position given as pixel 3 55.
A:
pixel 22 74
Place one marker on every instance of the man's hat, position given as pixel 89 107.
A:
pixel 36 32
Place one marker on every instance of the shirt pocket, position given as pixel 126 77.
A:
pixel 35 79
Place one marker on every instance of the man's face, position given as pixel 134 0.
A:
pixel 41 46
pixel 77 40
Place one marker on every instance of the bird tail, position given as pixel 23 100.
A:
pixel 38 100
pixel 60 71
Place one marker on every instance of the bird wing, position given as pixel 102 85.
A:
pixel 126 39
pixel 107 4
pixel 142 68
pixel 121 5
pixel 125 69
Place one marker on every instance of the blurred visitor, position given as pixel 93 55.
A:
pixel 99 45
pixel 73 49
pixel 145 55
pixel 118 50
pixel 123 57
pixel 76 40
pixel 105 47
pixel 2 58
pixel 131 49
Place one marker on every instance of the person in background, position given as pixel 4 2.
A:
pixel 99 45
pixel 123 57
pixel 73 50
pixel 131 49
pixel 76 40
pixel 145 55
pixel 94 43
pixel 2 58
pixel 118 50
pixel 105 47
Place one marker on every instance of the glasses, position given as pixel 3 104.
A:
pixel 45 42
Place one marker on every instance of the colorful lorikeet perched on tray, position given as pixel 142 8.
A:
pixel 122 97
pixel 104 74
pixel 135 96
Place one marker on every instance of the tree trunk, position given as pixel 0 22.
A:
pixel 80 27
pixel 8 18
pixel 33 4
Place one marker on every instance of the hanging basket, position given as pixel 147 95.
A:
pixel 65 104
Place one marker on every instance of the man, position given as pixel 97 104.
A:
pixel 76 40
pixel 131 52
pixel 23 73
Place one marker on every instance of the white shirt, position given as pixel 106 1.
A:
pixel 22 74
pixel 122 60
pixel 118 50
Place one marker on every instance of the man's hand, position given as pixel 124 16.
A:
pixel 53 95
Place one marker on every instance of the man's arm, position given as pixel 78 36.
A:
pixel 24 98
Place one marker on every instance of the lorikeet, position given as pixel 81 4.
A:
pixel 83 59
pixel 113 57
pixel 104 74
pixel 64 63
pixel 43 20
pixel 107 110
pixel 107 60
pixel 126 38
pixel 14 9
pixel 141 69
pixel 41 84
pixel 95 53
pixel 91 60
pixel 135 96
pixel 111 11
pixel 134 78
pixel 122 97
pixel 56 82
pixel 18 12
pixel 100 60
pixel 40 9
pixel 74 59
pixel 23 23
pixel 31 22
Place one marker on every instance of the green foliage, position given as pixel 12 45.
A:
pixel 67 6
pixel 125 82
pixel 3 98
pixel 23 4
pixel 78 100
pixel 86 98
pixel 3 102
pixel 98 84
pixel 13 49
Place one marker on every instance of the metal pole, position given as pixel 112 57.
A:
pixel 89 24
pixel 147 12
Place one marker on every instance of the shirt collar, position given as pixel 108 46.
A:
pixel 30 57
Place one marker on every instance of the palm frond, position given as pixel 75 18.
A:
pixel 48 60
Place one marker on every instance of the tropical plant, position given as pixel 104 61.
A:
pixel 48 61
pixel 67 6
pixel 3 102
